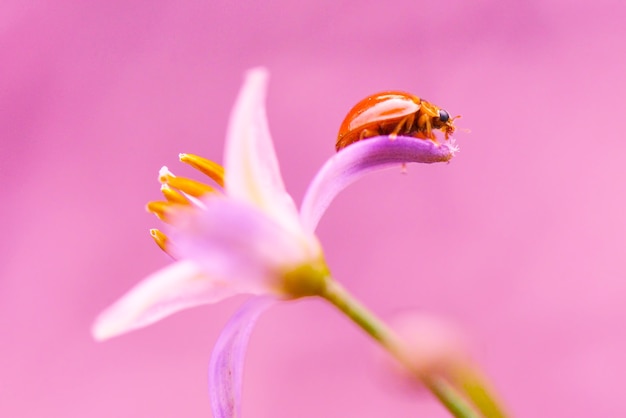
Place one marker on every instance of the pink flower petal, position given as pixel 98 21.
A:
pixel 431 345
pixel 252 170
pixel 176 287
pixel 226 366
pixel 234 241
pixel 363 157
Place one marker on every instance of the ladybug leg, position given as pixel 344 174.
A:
pixel 404 126
pixel 368 133
pixel 425 127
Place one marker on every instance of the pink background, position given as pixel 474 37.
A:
pixel 520 240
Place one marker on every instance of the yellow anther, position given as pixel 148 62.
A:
pixel 191 187
pixel 211 169
pixel 162 210
pixel 173 196
pixel 160 238
pixel 188 186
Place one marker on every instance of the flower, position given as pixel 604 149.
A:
pixel 245 235
pixel 428 346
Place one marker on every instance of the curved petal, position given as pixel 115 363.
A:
pixel 251 167
pixel 226 366
pixel 176 287
pixel 238 243
pixel 361 158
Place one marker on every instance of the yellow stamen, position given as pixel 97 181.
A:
pixel 211 169
pixel 191 187
pixel 162 210
pixel 160 238
pixel 173 196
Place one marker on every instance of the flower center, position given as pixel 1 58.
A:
pixel 306 280
pixel 180 192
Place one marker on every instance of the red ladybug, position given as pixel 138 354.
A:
pixel 393 113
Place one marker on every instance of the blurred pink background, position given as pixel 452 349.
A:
pixel 520 240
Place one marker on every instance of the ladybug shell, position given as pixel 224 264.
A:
pixel 376 112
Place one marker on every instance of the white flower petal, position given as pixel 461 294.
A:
pixel 176 287
pixel 252 170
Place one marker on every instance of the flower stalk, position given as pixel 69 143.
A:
pixel 476 388
pixel 450 396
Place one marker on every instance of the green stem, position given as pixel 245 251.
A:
pixel 449 397
pixel 475 387
pixel 346 303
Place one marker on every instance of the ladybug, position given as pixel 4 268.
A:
pixel 393 113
